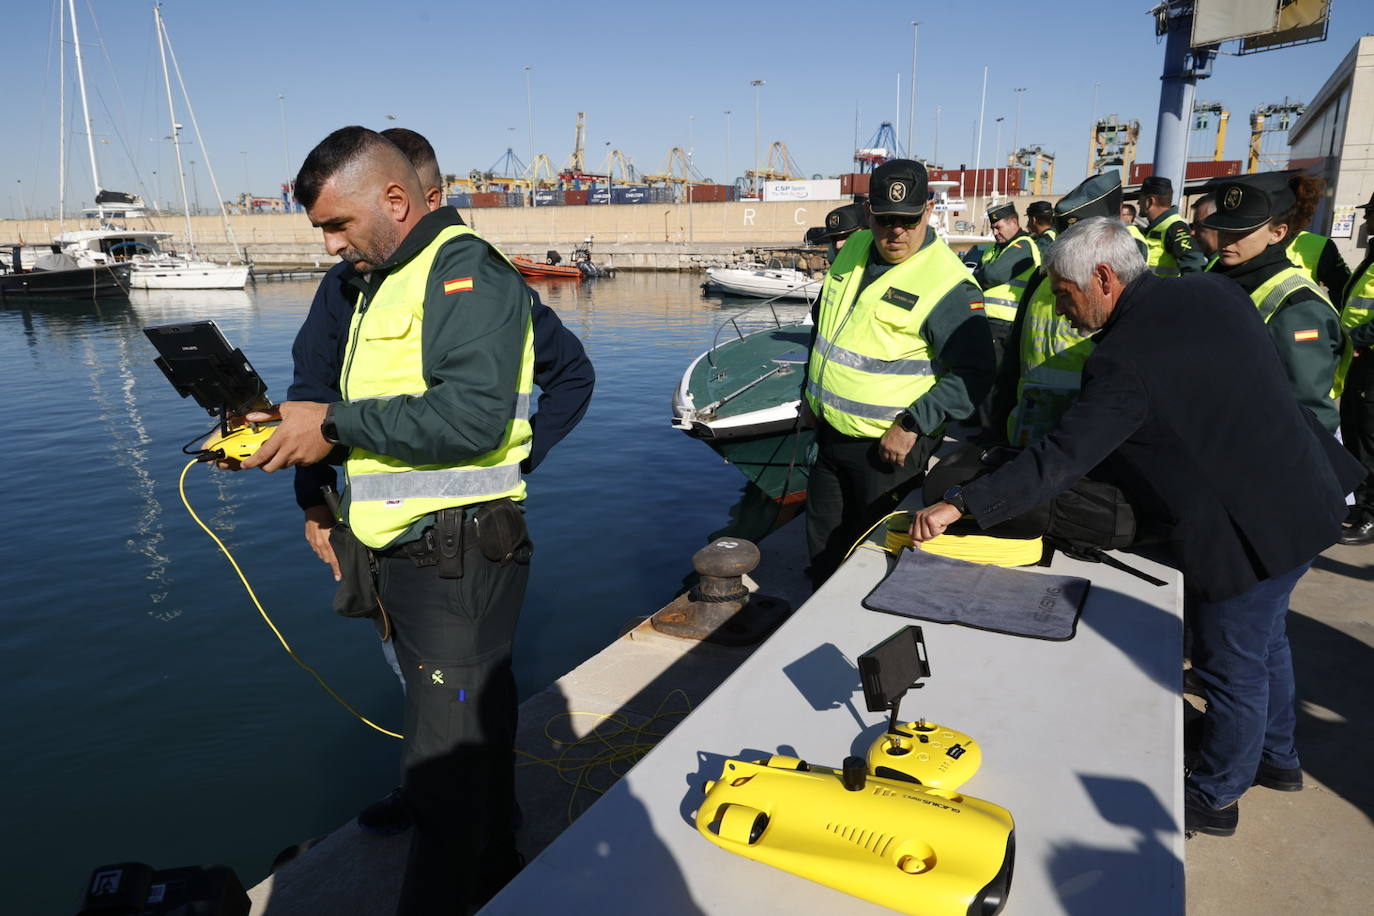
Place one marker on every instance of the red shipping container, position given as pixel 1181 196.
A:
pixel 854 183
pixel 488 199
pixel 1197 171
pixel 574 197
pixel 710 193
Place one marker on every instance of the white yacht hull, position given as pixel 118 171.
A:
pixel 764 284
pixel 192 275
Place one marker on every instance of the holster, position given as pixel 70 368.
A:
pixel 502 535
pixel 356 595
pixel 448 543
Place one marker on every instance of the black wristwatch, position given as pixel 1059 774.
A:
pixel 908 422
pixel 328 429
pixel 955 497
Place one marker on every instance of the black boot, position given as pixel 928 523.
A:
pixel 1214 821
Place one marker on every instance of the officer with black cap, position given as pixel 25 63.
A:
pixel 1040 219
pixel 1255 218
pixel 901 349
pixel 1171 248
pixel 1039 378
pixel 1004 269
pixel 1357 400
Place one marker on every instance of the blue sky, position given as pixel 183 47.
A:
pixel 646 74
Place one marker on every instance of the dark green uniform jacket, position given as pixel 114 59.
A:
pixel 1178 241
pixel 1007 265
pixel 471 346
pixel 1308 360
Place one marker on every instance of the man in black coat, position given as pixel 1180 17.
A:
pixel 1185 401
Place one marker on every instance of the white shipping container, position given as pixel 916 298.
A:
pixel 818 189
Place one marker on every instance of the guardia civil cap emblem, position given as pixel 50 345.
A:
pixel 896 192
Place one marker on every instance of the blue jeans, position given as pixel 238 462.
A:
pixel 1241 655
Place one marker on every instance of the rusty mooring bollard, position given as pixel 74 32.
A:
pixel 719 608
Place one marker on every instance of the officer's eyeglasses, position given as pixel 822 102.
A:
pixel 894 222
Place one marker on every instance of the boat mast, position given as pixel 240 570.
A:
pixel 176 128
pixel 85 108
pixel 195 125
pixel 61 120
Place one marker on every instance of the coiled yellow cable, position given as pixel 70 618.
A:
pixel 181 487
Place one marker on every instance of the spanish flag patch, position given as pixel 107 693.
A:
pixel 1305 335
pixel 976 305
pixel 457 286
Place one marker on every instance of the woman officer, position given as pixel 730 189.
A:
pixel 1255 219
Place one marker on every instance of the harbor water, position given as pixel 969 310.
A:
pixel 150 713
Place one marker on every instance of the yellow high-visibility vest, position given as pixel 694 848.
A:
pixel 870 362
pixel 1052 359
pixel 385 496
pixel 1357 310
pixel 1270 296
pixel 1157 258
pixel 1000 300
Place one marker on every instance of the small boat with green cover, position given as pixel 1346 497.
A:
pixel 742 398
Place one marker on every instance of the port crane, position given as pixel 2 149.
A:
pixel 1203 112
pixel 1113 143
pixel 881 147
pixel 1037 169
pixel 781 166
pixel 574 174
pixel 1270 119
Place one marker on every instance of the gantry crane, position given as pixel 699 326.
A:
pixel 781 166
pixel 629 175
pixel 1037 169
pixel 881 147
pixel 1113 143
pixel 1270 119
pixel 1202 122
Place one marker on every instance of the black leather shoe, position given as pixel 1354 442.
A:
pixel 1280 779
pixel 1213 821
pixel 1361 532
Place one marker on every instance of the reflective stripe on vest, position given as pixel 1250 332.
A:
pixel 1000 301
pixel 1270 296
pixel 869 362
pixel 385 496
pixel 1157 258
pixel 1305 251
pixel 1052 358
pixel 1358 310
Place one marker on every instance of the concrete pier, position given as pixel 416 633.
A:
pixel 1323 836
pixel 628 236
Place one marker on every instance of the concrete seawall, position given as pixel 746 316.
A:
pixel 630 236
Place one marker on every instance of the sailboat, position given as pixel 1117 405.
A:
pixel 152 267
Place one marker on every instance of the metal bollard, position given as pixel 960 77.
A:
pixel 719 608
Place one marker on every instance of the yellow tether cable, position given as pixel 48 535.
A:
pixel 181 487
pixel 608 754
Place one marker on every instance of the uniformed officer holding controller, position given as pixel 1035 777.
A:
pixel 434 413
pixel 902 347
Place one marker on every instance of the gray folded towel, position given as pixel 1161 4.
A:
pixel 1022 603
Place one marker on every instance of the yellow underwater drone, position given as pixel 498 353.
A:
pixel 892 829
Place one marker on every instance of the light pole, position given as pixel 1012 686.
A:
pixel 529 108
pixel 691 124
pixel 728 178
pixel 285 156
pixel 758 185
pixel 1092 141
pixel 1016 130
pixel 911 103
pixel 247 185
pixel 935 157
pixel 996 181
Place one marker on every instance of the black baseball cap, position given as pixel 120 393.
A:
pixel 842 222
pixel 1099 195
pixel 1001 211
pixel 814 236
pixel 1157 184
pixel 898 187
pixel 1040 209
pixel 1246 202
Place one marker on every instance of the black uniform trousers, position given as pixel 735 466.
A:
pixel 453 640
pixel 849 489
pixel 1357 423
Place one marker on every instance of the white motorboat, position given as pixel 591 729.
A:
pixel 764 281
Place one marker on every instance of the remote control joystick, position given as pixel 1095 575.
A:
pixel 925 753
pixel 240 442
